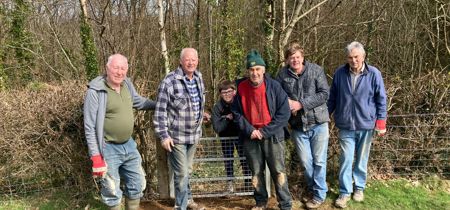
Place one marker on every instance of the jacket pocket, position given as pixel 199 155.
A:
pixel 321 114
pixel 181 101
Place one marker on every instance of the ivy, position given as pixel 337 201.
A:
pixel 89 50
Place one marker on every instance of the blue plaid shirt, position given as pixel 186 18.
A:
pixel 179 112
pixel 192 88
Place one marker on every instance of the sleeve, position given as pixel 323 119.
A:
pixel 219 122
pixel 238 116
pixel 160 117
pixel 321 95
pixel 332 97
pixel 139 102
pixel 90 109
pixel 282 113
pixel 380 98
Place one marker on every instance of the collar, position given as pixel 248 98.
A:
pixel 180 75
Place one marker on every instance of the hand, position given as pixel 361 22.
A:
pixel 206 117
pixel 256 134
pixel 295 105
pixel 99 167
pixel 229 116
pixel 380 127
pixel 167 144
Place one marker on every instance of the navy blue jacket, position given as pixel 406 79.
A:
pixel 360 109
pixel 277 101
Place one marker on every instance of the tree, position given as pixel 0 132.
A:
pixel 162 33
pixel 21 43
pixel 87 41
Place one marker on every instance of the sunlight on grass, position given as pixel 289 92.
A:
pixel 405 194
pixel 429 193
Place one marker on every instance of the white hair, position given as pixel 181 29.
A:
pixel 113 56
pixel 355 45
pixel 184 50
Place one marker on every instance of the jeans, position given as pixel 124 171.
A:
pixel 260 152
pixel 312 147
pixel 228 147
pixel 123 161
pixel 181 158
pixel 358 141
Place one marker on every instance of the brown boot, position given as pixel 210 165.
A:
pixel 132 204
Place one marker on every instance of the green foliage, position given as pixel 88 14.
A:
pixel 270 56
pixel 89 50
pixel 20 40
pixel 233 52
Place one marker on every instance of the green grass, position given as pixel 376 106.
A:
pixel 55 200
pixel 431 193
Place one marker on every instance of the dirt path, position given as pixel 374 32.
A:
pixel 234 203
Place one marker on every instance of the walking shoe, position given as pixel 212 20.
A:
pixel 358 196
pixel 342 200
pixel 307 197
pixel 192 205
pixel 260 207
pixel 313 204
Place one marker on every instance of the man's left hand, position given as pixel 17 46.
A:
pixel 380 127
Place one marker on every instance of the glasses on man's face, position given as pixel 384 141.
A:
pixel 227 92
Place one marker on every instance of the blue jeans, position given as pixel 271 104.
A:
pixel 312 147
pixel 123 161
pixel 258 152
pixel 181 158
pixel 358 141
pixel 228 147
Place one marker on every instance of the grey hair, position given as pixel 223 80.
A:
pixel 183 51
pixel 355 45
pixel 111 57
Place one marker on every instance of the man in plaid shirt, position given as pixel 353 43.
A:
pixel 178 118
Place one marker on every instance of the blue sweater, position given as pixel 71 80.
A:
pixel 360 109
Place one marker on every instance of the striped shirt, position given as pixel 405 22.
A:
pixel 195 97
pixel 176 115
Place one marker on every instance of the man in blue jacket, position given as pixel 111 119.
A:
pixel 358 101
pixel 261 110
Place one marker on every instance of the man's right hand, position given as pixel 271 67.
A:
pixel 256 135
pixel 99 167
pixel 167 144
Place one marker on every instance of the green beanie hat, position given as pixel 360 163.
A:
pixel 254 59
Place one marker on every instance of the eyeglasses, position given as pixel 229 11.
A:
pixel 227 92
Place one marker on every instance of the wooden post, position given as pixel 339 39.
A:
pixel 163 172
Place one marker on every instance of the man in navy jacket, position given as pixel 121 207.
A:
pixel 261 110
pixel 358 101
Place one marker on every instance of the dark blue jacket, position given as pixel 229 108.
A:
pixel 360 109
pixel 277 101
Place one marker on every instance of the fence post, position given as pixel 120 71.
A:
pixel 163 172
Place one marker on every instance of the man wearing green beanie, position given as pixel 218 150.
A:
pixel 261 110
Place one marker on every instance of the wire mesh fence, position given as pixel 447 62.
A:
pixel 220 169
pixel 416 145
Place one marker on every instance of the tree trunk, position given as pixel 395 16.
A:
pixel 162 34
